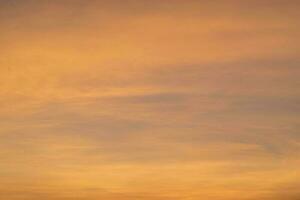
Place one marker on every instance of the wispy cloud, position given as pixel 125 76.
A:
pixel 149 100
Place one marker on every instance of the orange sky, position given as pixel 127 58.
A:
pixel 149 100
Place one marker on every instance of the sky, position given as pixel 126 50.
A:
pixel 149 100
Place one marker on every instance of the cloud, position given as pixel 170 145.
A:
pixel 149 100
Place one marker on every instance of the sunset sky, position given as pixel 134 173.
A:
pixel 149 99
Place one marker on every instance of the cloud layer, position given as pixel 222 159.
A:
pixel 149 100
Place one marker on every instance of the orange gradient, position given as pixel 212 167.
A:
pixel 149 100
